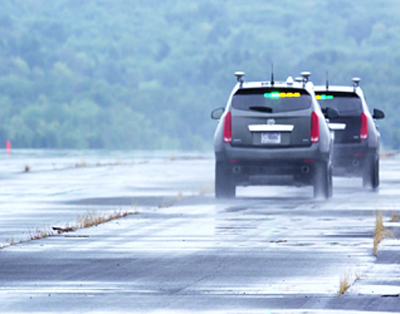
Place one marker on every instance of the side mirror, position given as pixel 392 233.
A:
pixel 330 113
pixel 217 113
pixel 378 114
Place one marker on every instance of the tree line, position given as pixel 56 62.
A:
pixel 145 75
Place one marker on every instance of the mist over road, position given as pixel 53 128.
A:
pixel 272 249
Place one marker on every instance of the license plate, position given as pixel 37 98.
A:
pixel 270 138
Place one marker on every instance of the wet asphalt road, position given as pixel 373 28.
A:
pixel 270 250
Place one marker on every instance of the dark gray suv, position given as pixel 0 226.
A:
pixel 357 137
pixel 273 133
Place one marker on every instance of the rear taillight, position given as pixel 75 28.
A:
pixel 228 128
pixel 364 126
pixel 314 127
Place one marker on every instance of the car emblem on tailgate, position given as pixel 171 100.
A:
pixel 271 121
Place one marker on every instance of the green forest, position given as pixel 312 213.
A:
pixel 129 74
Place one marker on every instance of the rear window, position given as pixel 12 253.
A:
pixel 271 100
pixel 347 104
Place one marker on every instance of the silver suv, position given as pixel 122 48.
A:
pixel 273 133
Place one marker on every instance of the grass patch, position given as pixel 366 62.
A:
pixel 380 231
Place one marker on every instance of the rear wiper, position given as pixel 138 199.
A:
pixel 261 109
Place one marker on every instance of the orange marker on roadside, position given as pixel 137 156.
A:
pixel 8 147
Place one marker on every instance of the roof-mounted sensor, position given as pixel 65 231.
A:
pixel 289 81
pixel 239 76
pixel 305 76
pixel 356 82
pixel 327 80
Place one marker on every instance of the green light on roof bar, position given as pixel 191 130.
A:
pixel 276 95
pixel 323 96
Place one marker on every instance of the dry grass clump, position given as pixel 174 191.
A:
pixel 40 234
pixel 81 164
pixel 89 220
pixel 380 232
pixel 9 242
pixel 206 190
pixel 344 283
pixel 394 218
pixel 92 219
pixel 170 203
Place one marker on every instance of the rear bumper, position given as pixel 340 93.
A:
pixel 277 166
pixel 271 155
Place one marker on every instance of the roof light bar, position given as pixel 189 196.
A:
pixel 275 95
pixel 323 97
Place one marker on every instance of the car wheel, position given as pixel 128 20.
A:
pixel 224 185
pixel 322 180
pixel 371 174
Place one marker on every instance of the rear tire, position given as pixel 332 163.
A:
pixel 323 180
pixel 371 174
pixel 224 184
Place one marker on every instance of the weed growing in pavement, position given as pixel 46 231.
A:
pixel 89 220
pixel 9 242
pixel 344 283
pixel 178 198
pixel 357 275
pixel 81 164
pixel 394 218
pixel 206 190
pixel 92 219
pixel 380 232
pixel 40 234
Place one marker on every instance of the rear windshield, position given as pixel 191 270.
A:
pixel 347 104
pixel 271 100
